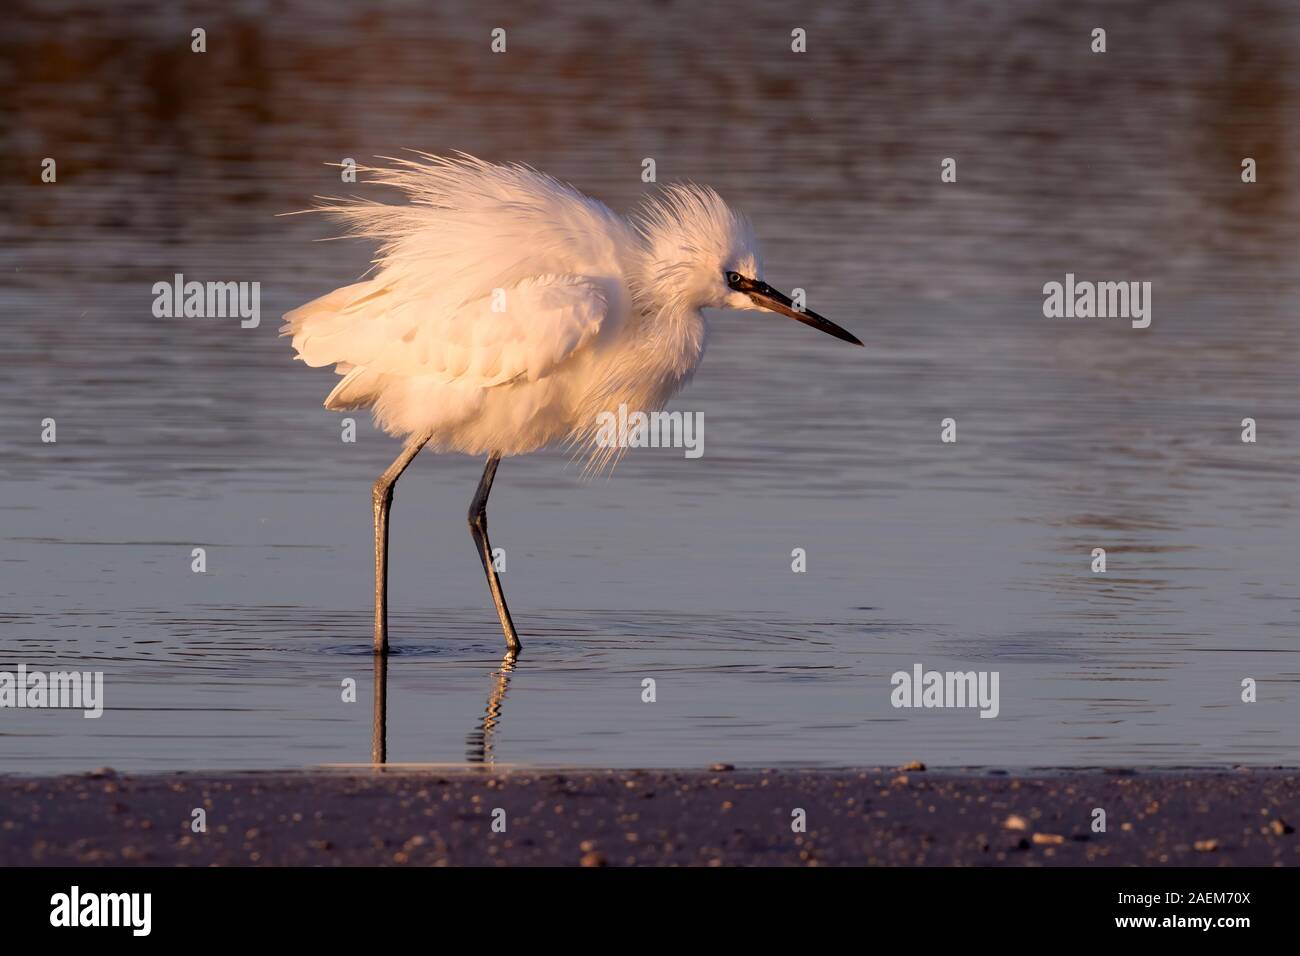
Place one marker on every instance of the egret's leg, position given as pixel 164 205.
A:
pixel 382 496
pixel 478 528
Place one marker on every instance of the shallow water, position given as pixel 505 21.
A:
pixel 1073 434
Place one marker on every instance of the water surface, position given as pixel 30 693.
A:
pixel 1072 434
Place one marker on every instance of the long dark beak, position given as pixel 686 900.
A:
pixel 768 298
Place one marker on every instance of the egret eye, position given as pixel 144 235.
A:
pixel 733 278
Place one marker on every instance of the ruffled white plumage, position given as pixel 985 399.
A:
pixel 524 332
pixel 507 310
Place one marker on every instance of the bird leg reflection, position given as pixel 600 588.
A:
pixel 480 742
pixel 478 529
pixel 379 733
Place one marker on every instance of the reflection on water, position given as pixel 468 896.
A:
pixel 479 746
pixel 479 743
pixel 1073 435
pixel 379 735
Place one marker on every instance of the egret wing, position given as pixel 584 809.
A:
pixel 521 332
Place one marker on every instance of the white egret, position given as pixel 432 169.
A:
pixel 507 310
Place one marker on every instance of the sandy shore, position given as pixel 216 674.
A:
pixel 688 817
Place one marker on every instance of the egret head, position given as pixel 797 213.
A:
pixel 702 254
